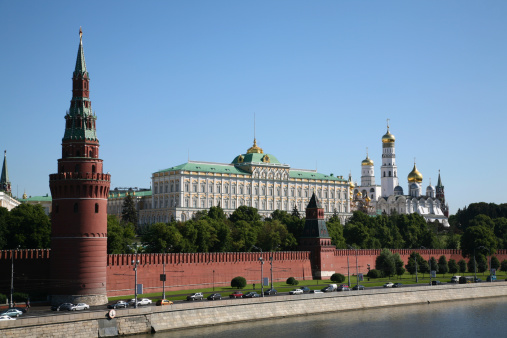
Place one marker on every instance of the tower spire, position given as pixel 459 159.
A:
pixel 5 185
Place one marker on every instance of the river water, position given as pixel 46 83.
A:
pixel 471 318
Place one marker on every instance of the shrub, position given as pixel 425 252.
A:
pixel 338 278
pixel 292 281
pixel 238 282
pixel 503 265
pixel 374 273
pixel 19 297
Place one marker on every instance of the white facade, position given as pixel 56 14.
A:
pixel 254 179
pixel 7 201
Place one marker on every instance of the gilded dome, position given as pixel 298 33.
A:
pixel 254 149
pixel 388 137
pixel 367 161
pixel 351 184
pixel 415 175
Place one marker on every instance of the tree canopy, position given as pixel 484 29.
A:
pixel 26 226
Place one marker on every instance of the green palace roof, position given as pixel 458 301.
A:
pixel 312 175
pixel 207 167
pixel 46 198
pixel 255 158
pixel 114 194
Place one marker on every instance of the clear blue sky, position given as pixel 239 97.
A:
pixel 170 78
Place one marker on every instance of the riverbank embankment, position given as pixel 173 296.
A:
pixel 196 314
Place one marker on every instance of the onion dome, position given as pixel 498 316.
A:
pixel 398 190
pixel 430 188
pixel 367 161
pixel 388 137
pixel 415 175
pixel 254 149
pixel 351 184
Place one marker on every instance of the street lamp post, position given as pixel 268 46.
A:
pixel 357 269
pixel 135 263
pixel 416 277
pixel 262 266
pixel 213 280
pixel 271 262
pixel 12 276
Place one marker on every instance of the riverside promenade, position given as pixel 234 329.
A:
pixel 197 314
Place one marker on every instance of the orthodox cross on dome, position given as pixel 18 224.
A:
pixel 388 123
pixel 80 35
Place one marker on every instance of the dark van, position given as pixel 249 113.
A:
pixel 466 279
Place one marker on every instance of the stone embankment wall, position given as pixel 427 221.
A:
pixel 185 315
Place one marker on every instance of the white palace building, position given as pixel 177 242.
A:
pixel 254 179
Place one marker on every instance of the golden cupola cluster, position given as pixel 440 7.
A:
pixel 255 149
pixel 415 176
pixel 367 161
pixel 388 137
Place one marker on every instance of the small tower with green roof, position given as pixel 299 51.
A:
pixel 316 239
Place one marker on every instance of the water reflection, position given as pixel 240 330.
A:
pixel 473 318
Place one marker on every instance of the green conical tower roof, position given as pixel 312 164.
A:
pixel 5 185
pixel 80 69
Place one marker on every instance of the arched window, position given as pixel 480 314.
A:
pixel 384 174
pixel 90 153
pixel 93 168
pixel 75 208
pixel 76 169
pixel 57 208
pixel 62 170
pixel 389 173
pixel 96 208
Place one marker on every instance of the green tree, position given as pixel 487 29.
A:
pixel 28 227
pixel 421 266
pixel 292 281
pixel 128 211
pixel 453 266
pixel 335 230
pixel 478 236
pixel 162 237
pixel 495 263
pixel 217 213
pixel 385 262
pixel 119 237
pixel 503 265
pixel 244 236
pixel 462 266
pixel 244 213
pixel 481 263
pixel 400 270
pixel 433 264
pixel 274 236
pixel 295 212
pixel 4 215
pixel 443 267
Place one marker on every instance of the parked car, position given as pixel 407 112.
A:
pixel 358 287
pixel 236 294
pixel 195 296
pixel 296 292
pixel 327 289
pixel 215 296
pixel 388 285
pixel 119 305
pixel 316 291
pixel 11 313
pixel 80 306
pixel 490 278
pixel 251 294
pixel 305 289
pixel 397 285
pixel 65 306
pixel 343 288
pixel 333 286
pixel 455 279
pixel 5 317
pixel 270 292
pixel 143 301
pixel 436 282
pixel 162 302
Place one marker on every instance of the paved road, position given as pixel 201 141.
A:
pixel 38 311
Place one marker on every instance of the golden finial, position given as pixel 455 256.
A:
pixel 80 34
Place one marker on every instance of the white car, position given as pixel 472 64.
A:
pixel 296 292
pixel 388 285
pixel 316 291
pixel 80 306
pixel 143 301
pixel 6 318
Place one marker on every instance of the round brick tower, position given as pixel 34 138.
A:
pixel 79 191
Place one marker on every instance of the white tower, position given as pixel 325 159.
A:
pixel 388 170
pixel 367 172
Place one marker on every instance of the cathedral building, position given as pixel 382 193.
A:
pixel 255 179
pixel 389 197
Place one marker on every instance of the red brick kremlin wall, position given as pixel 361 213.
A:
pixel 195 270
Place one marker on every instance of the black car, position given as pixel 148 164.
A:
pixel 305 289
pixel 358 287
pixel 215 296
pixel 251 294
pixel 397 285
pixel 436 282
pixel 270 292
pixel 343 288
pixel 327 289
